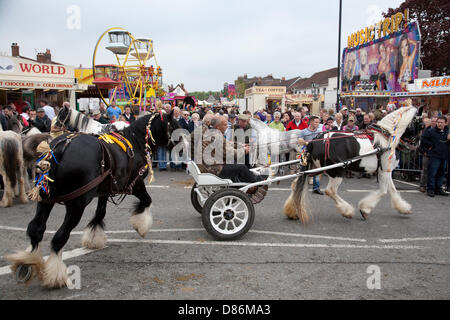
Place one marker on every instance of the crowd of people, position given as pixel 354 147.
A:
pixel 433 138
pixel 434 129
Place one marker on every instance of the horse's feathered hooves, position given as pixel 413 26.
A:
pixel 364 215
pixel 54 273
pixel 32 259
pixel 94 238
pixel 142 222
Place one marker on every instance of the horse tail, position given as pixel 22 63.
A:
pixel 296 206
pixel 300 199
pixel 10 160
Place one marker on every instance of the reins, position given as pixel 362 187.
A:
pixel 128 189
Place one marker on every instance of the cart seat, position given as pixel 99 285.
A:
pixel 205 179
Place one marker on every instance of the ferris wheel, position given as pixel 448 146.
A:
pixel 131 74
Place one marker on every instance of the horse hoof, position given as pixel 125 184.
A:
pixel 364 215
pixel 348 217
pixel 23 273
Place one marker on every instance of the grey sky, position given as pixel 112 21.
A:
pixel 199 43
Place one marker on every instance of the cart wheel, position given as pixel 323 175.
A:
pixel 228 214
pixel 23 273
pixel 197 201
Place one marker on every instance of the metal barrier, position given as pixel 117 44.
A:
pixel 410 164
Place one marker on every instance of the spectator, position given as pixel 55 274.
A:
pixel 434 121
pixel 350 127
pixel 113 111
pixel 331 112
pixel 378 113
pixel 344 112
pixel 128 115
pixel 372 117
pixel 123 119
pixel 49 111
pixel 261 115
pixel 185 122
pixel 329 125
pixel 297 123
pixel 3 119
pixel 309 134
pixel 26 112
pixel 102 110
pixel 41 121
pixel 268 119
pixel 359 116
pixel 231 122
pixel 277 124
pixel 423 152
pixel 365 123
pixel 338 122
pixel 196 120
pixel 176 113
pixel 436 142
pixel 325 116
pixel 97 116
pixel 286 119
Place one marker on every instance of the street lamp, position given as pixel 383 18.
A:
pixel 339 57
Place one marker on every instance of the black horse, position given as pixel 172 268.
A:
pixel 81 159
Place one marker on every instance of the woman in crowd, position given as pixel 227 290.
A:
pixel 338 123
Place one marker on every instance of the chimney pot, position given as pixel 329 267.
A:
pixel 15 49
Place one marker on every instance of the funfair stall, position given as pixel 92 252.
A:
pixel 380 60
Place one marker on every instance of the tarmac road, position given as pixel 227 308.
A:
pixel 331 258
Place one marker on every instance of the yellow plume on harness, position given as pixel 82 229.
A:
pixel 108 138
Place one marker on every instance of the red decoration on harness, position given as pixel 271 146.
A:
pixel 367 135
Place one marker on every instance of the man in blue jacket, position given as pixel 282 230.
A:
pixel 436 142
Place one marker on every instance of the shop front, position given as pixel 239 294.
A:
pixel 433 93
pixel 32 81
pixel 264 98
pixel 312 102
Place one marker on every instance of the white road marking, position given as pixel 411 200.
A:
pixel 307 236
pixel 313 236
pixel 66 255
pixel 158 187
pixel 408 183
pixel 255 244
pixel 413 239
pixel 402 191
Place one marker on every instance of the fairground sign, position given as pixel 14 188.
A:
pixel 383 28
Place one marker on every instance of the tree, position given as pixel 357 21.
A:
pixel 240 88
pixel 434 22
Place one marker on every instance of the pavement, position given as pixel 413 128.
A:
pixel 389 256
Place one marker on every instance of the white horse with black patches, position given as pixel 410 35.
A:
pixel 337 147
pixel 79 122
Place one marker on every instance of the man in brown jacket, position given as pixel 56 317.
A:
pixel 220 157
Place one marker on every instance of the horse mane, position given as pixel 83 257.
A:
pixel 390 121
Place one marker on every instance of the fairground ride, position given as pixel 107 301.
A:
pixel 127 68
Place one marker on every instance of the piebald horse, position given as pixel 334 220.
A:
pixel 12 168
pixel 345 146
pixel 68 117
pixel 79 161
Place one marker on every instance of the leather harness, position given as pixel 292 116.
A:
pixel 128 189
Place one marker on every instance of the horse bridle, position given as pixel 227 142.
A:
pixel 60 123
